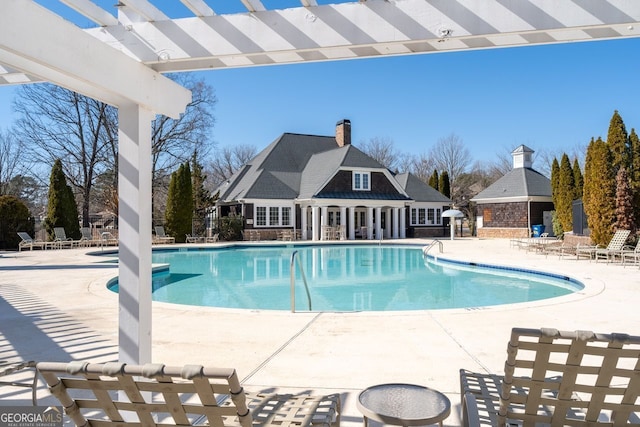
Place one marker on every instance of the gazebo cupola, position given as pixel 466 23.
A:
pixel 522 157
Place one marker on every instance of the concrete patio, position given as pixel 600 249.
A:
pixel 54 307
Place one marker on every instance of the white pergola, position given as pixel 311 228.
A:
pixel 120 61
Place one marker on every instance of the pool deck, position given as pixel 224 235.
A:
pixel 54 307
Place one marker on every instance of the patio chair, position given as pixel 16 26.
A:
pixel 28 242
pixel 193 239
pixel 212 239
pixel 11 375
pixel 162 237
pixel 87 238
pixel 61 240
pixel 632 256
pixel 558 378
pixel 615 244
pixel 117 394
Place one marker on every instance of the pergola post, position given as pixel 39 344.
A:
pixel 134 223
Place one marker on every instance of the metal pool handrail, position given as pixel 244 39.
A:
pixel 293 281
pixel 426 249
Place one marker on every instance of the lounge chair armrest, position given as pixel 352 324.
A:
pixel 470 413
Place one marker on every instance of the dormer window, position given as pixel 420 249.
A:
pixel 361 181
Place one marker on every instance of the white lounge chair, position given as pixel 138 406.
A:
pixel 28 242
pixel 61 240
pixel 155 394
pixel 615 244
pixel 558 378
pixel 162 237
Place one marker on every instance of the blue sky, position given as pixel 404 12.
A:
pixel 553 98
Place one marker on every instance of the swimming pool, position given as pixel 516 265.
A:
pixel 342 278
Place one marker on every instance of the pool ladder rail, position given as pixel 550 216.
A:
pixel 427 248
pixel 292 270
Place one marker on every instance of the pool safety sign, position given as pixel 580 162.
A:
pixel 30 416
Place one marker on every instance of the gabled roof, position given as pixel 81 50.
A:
pixel 519 182
pixel 420 191
pixel 299 166
pixel 276 171
pixel 324 165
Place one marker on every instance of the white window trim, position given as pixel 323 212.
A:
pixel 426 216
pixel 361 174
pixel 268 208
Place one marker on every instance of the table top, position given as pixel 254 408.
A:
pixel 404 404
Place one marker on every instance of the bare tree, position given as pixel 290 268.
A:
pixel 61 124
pixel 174 140
pixel 228 161
pixel 57 123
pixel 451 155
pixel 382 150
pixel 10 160
pixel 421 166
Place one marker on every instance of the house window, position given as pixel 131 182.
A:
pixel 261 216
pixel 286 216
pixel 424 216
pixel 361 181
pixel 273 216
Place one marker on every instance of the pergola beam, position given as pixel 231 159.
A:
pixel 40 43
pixel 368 29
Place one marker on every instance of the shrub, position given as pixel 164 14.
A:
pixel 14 217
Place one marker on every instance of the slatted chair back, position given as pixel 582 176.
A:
pixel 618 240
pixel 113 394
pixel 578 378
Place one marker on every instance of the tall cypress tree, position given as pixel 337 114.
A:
pixel 62 210
pixel 634 174
pixel 578 180
pixel 433 180
pixel 625 217
pixel 444 186
pixel 618 142
pixel 179 213
pixel 555 179
pixel 566 191
pixel 202 199
pixel 599 191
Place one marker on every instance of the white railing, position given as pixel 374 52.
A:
pixel 293 281
pixel 426 249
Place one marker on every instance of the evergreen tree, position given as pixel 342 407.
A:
pixel 179 212
pixel 444 186
pixel 555 179
pixel 578 181
pixel 618 142
pixel 599 192
pixel 14 217
pixel 62 210
pixel 634 173
pixel 433 180
pixel 202 199
pixel 565 194
pixel 625 218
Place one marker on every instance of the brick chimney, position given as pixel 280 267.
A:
pixel 343 133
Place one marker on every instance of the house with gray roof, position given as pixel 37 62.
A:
pixel 322 187
pixel 517 201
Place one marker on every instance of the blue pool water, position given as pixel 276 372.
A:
pixel 342 278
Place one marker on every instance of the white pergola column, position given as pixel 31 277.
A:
pixel 134 224
pixel 314 222
pixel 403 223
pixel 303 222
pixel 352 223
pixel 396 214
pixel 378 222
pixel 369 223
